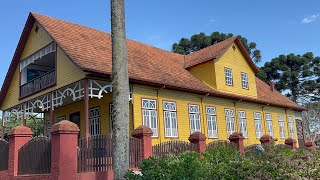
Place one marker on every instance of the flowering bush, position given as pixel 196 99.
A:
pixel 225 162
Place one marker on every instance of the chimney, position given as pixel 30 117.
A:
pixel 271 86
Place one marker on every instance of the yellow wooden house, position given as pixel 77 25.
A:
pixel 63 70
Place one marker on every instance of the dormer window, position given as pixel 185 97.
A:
pixel 228 74
pixel 244 80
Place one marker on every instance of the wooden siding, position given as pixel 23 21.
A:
pixel 102 103
pixel 67 71
pixel 235 60
pixel 206 73
pixel 36 41
pixel 183 99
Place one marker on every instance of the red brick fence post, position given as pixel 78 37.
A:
pixel 64 150
pixel 144 134
pixel 18 136
pixel 291 142
pixel 198 139
pixel 237 138
pixel 266 139
pixel 310 145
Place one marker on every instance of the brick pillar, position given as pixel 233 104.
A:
pixel 64 152
pixel 144 134
pixel 237 139
pixel 291 142
pixel 266 139
pixel 310 145
pixel 198 139
pixel 18 136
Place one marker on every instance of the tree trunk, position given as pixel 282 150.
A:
pixel 120 91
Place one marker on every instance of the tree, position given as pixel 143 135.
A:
pixel 201 40
pixel 311 121
pixel 120 90
pixel 295 75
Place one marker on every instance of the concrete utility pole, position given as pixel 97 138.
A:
pixel 120 90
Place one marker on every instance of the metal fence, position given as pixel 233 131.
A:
pixel 172 147
pixel 96 153
pixel 4 155
pixel 35 157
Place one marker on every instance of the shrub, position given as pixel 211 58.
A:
pixel 223 162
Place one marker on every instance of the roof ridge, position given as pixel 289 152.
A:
pixel 216 44
pixel 128 39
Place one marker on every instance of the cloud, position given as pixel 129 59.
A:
pixel 310 19
pixel 212 20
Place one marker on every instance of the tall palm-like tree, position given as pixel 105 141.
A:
pixel 120 90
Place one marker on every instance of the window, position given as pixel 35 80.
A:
pixel 281 126
pixel 269 124
pixel 243 123
pixel 228 74
pixel 149 111
pixel 291 127
pixel 194 116
pixel 170 119
pixel 94 121
pixel 244 80
pixel 258 124
pixel 230 121
pixel 111 116
pixel 212 122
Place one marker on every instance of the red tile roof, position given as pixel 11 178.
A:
pixel 90 50
pixel 216 51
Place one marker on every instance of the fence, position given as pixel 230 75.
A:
pixel 220 143
pixel 35 157
pixel 95 153
pixel 4 154
pixel 174 147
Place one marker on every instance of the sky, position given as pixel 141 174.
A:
pixel 278 27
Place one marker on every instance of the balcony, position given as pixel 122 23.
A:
pixel 37 84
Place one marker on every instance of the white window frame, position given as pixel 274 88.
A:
pixel 170 119
pixel 291 127
pixel 149 115
pixel 269 124
pixel 231 128
pixel 244 80
pixel 212 122
pixel 228 76
pixel 281 126
pixel 194 118
pixel 258 124
pixel 243 123
pixel 94 121
pixel 111 116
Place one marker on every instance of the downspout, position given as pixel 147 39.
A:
pixel 236 123
pixel 264 118
pixel 158 114
pixel 202 110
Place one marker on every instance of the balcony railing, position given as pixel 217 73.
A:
pixel 37 84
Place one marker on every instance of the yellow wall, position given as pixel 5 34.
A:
pixel 183 99
pixel 206 73
pixel 67 71
pixel 102 103
pixel 235 60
